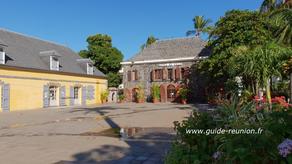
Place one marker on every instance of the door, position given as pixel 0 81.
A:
pixel 53 96
pixel 171 93
pixel 76 96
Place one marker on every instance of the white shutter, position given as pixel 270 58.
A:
pixel 2 57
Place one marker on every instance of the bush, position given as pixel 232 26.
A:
pixel 183 93
pixel 121 97
pixel 140 94
pixel 233 148
pixel 155 91
pixel 104 95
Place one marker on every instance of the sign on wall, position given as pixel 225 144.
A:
pixel 169 64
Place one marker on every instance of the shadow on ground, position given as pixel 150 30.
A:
pixel 149 148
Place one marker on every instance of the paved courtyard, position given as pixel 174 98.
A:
pixel 89 135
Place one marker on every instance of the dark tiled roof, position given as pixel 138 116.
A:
pixel 173 48
pixel 24 51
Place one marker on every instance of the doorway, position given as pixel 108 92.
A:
pixel 53 91
pixel 171 93
pixel 76 96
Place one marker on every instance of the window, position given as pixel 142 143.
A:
pixel 158 74
pixel 169 72
pixel 2 56
pixel 89 69
pixel 76 90
pixel 54 63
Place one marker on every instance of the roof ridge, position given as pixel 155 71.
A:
pixel 179 38
pixel 33 37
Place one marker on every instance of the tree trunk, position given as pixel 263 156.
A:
pixel 268 93
pixel 257 87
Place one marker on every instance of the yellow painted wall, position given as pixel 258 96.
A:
pixel 26 87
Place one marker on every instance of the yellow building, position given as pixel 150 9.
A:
pixel 38 74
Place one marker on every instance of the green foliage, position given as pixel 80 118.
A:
pixel 151 39
pixel 140 93
pixel 121 97
pixel 201 25
pixel 114 79
pixel 237 28
pixel 155 91
pixel 104 95
pixel 234 148
pixel 283 26
pixel 106 58
pixel 183 93
pixel 260 63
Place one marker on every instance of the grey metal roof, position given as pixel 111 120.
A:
pixel 173 48
pixel 26 51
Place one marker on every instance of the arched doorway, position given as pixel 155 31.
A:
pixel 171 93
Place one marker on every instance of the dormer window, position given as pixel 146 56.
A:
pixel 54 63
pixel 89 69
pixel 2 56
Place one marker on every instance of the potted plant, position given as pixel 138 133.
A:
pixel 121 98
pixel 183 92
pixel 104 96
pixel 140 94
pixel 155 91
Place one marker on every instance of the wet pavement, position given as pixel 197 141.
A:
pixel 90 134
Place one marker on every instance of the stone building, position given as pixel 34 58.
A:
pixel 166 63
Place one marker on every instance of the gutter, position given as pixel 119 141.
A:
pixel 163 60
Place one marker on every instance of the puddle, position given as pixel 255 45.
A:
pixel 112 132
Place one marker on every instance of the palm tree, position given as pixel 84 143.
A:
pixel 262 63
pixel 271 5
pixel 150 40
pixel 283 22
pixel 288 70
pixel 201 25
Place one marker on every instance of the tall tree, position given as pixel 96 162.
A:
pixel 239 28
pixel 283 25
pixel 236 28
pixel 106 58
pixel 201 25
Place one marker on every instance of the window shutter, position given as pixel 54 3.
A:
pixel 5 97
pixel 136 75
pixel 46 96
pixel 2 57
pixel 129 76
pixel 90 92
pixel 83 100
pixel 164 73
pixel 177 73
pixel 173 74
pixel 153 75
pixel 62 97
pixel 71 95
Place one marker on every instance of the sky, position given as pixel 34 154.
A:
pixel 128 22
